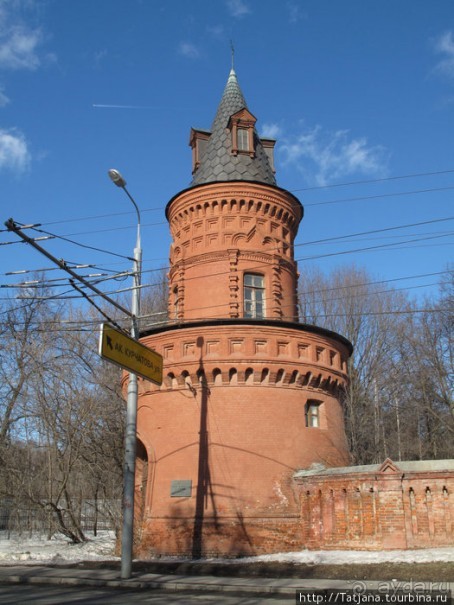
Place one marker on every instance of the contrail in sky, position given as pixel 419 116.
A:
pixel 97 105
pixel 109 106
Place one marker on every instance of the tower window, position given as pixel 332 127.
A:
pixel 313 414
pixel 243 139
pixel 175 302
pixel 241 125
pixel 254 296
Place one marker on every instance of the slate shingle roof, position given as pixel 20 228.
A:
pixel 218 163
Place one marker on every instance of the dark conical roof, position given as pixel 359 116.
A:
pixel 218 163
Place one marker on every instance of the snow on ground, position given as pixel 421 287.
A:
pixel 345 557
pixel 38 550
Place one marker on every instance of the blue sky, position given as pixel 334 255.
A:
pixel 358 93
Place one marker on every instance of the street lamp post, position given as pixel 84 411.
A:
pixel 131 406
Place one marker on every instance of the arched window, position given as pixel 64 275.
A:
pixel 254 296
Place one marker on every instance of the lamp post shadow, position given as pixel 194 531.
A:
pixel 204 485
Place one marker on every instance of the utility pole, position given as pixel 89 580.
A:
pixel 127 537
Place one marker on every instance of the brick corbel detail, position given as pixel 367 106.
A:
pixel 234 305
pixel 180 286
pixel 276 289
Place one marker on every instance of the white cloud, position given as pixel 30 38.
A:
pixel 3 98
pixel 238 8
pixel 99 57
pixel 217 31
pixel 19 42
pixel 14 152
pixel 294 12
pixel 325 158
pixel 444 45
pixel 18 47
pixel 3 11
pixel 189 50
pixel 270 131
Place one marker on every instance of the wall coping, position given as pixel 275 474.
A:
pixel 388 466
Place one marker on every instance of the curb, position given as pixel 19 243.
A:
pixel 150 584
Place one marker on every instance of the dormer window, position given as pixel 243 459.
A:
pixel 268 146
pixel 198 141
pixel 241 126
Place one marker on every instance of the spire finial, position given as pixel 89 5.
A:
pixel 232 49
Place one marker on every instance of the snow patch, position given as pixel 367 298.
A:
pixel 342 557
pixel 58 550
pixel 283 500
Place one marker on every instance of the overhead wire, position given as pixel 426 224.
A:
pixel 380 180
pixel 380 196
pixel 374 231
pixel 325 240
pixel 95 248
pixel 313 188
pixel 354 286
pixel 43 327
pixel 93 278
pixel 261 265
pixel 97 307
pixel 258 266
pixel 306 205
pixel 334 239
pixel 310 292
pixel 123 275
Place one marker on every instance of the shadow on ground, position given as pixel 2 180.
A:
pixel 428 572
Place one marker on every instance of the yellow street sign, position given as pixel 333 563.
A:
pixel 130 354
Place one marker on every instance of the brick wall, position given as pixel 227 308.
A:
pixel 403 505
pixel 224 536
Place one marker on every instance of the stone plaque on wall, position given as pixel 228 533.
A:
pixel 181 488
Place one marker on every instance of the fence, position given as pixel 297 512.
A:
pixel 25 520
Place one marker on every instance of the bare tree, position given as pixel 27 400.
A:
pixel 399 396
pixel 64 416
pixel 426 368
pixel 154 300
pixel 18 361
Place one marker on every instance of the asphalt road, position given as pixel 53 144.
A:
pixel 20 594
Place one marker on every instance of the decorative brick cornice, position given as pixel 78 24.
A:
pixel 273 356
pixel 232 198
pixel 241 189
pixel 224 255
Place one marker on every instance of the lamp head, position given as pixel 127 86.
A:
pixel 116 178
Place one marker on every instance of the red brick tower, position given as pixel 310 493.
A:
pixel 250 395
